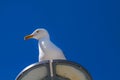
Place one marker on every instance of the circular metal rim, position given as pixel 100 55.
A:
pixel 55 62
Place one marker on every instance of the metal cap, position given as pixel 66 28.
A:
pixel 61 70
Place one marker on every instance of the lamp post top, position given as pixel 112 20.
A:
pixel 62 70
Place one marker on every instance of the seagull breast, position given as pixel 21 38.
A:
pixel 49 51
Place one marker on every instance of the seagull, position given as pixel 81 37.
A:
pixel 47 49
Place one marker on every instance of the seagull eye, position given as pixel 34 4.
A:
pixel 37 31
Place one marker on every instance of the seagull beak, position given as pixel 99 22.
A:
pixel 28 37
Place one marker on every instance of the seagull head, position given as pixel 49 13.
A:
pixel 38 34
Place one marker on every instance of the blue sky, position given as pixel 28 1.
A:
pixel 88 31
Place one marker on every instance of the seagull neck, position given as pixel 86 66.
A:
pixel 45 39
